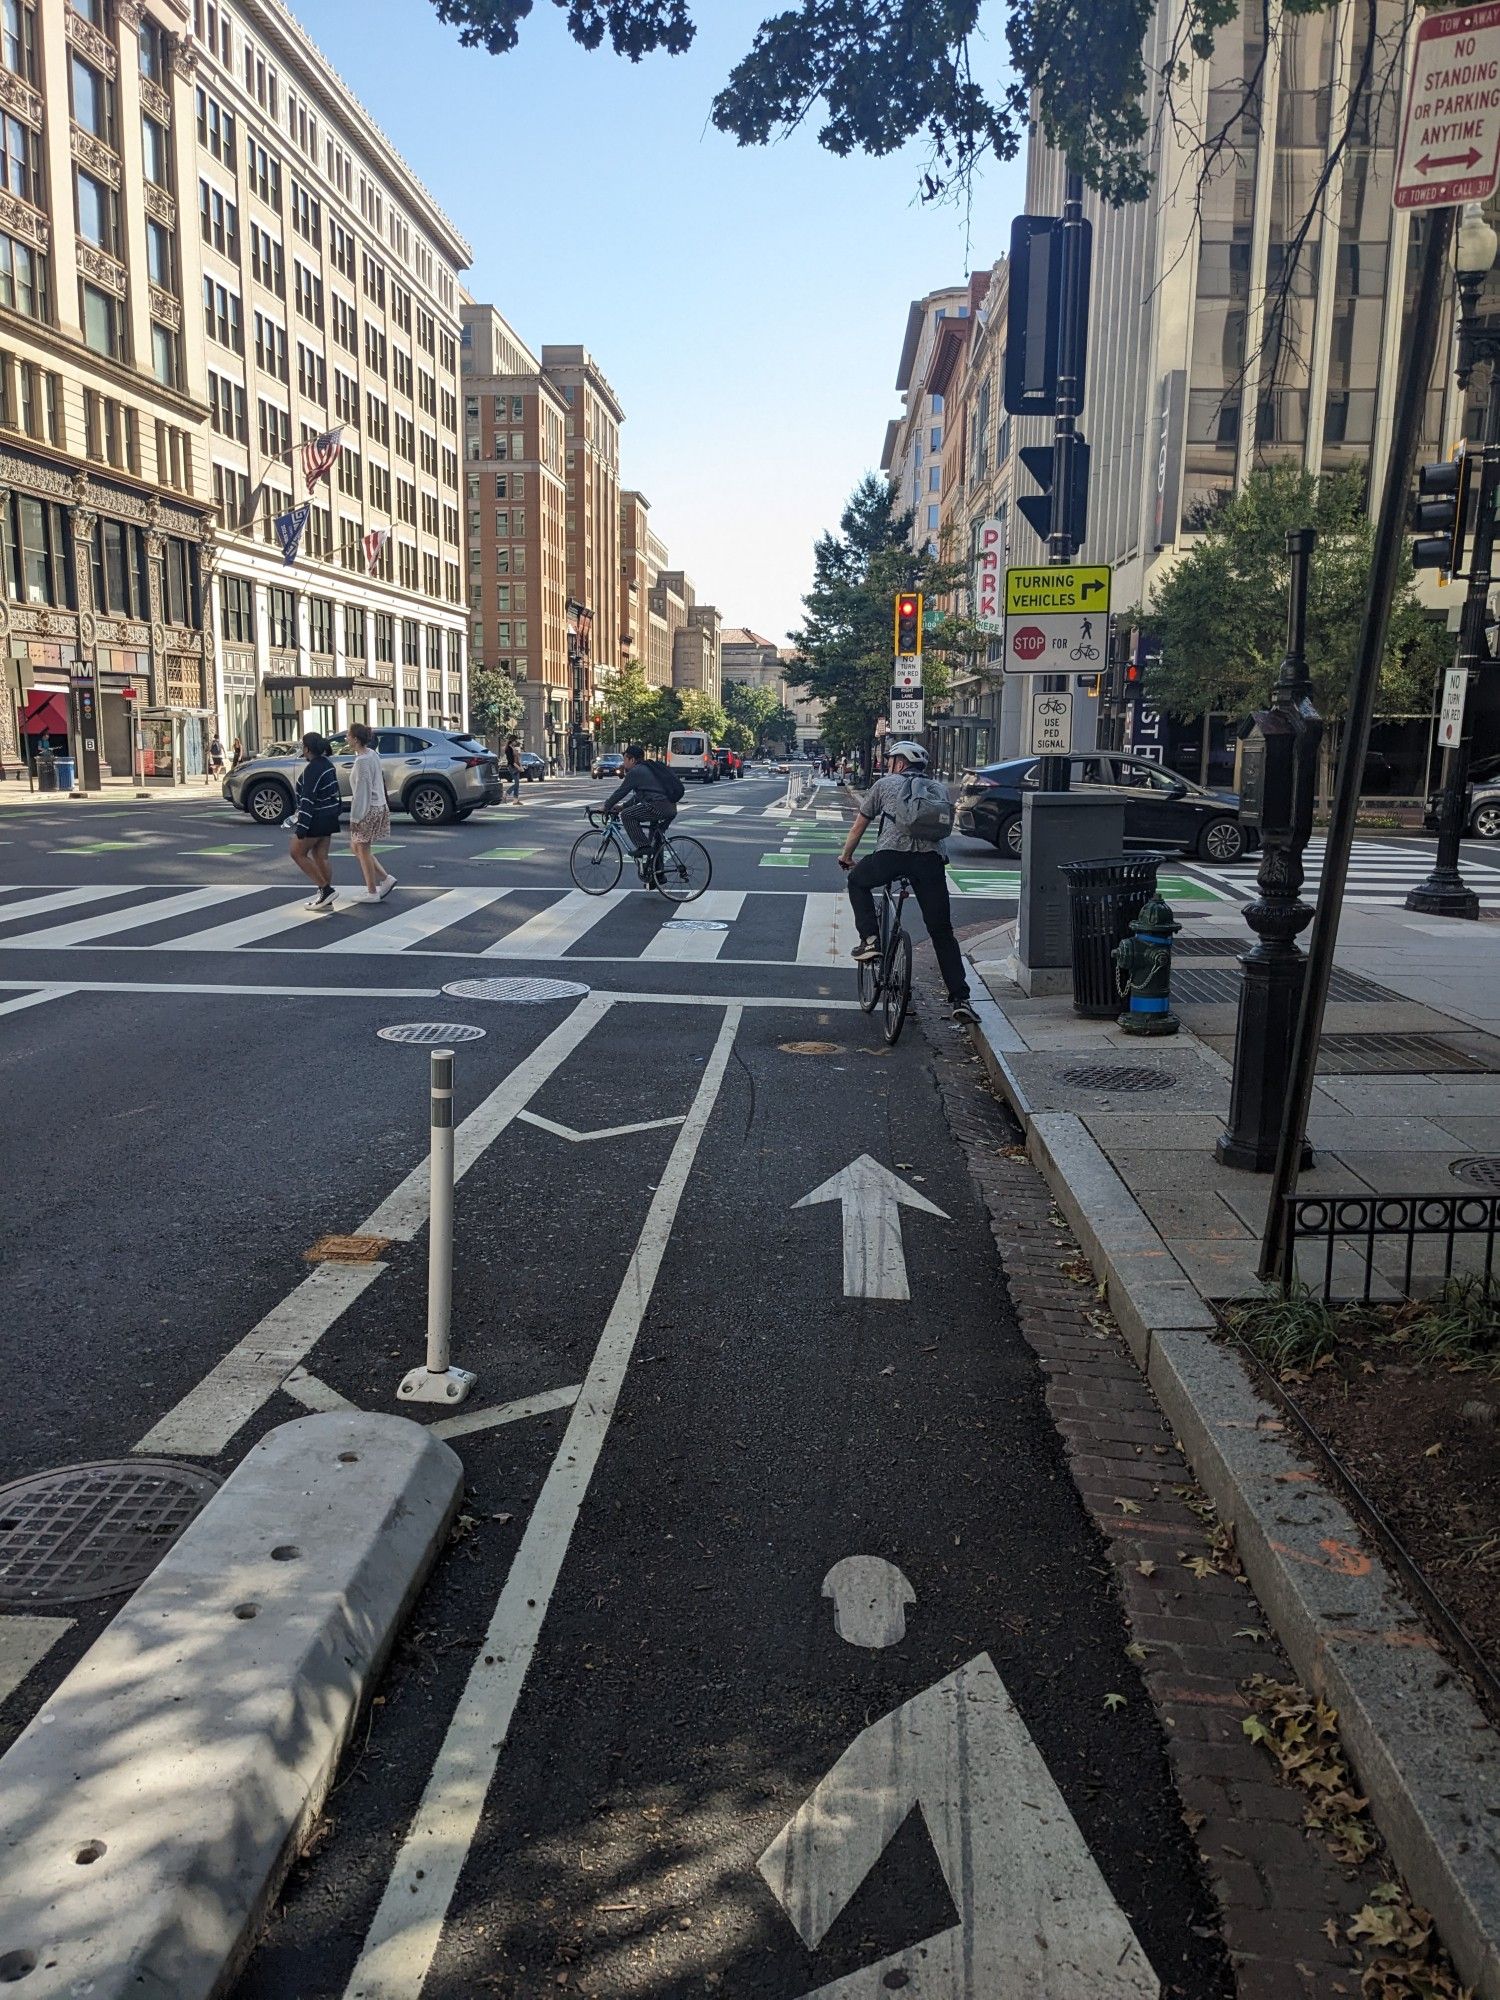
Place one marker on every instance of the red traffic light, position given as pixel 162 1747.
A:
pixel 1132 672
pixel 908 607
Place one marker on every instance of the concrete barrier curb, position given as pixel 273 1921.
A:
pixel 1422 1749
pixel 150 1810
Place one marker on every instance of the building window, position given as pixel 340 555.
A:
pixel 103 318
pixel 161 255
pixel 157 153
pixel 119 561
pixel 219 218
pixel 385 638
pixel 93 100
pixel 20 160
pixel 320 624
pixel 156 59
pixel 165 359
pixel 215 128
pixel 98 213
pixel 281 616
pixel 179 582
pixel 18 38
pixel 354 631
pixel 237 610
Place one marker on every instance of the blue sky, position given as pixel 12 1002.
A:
pixel 748 306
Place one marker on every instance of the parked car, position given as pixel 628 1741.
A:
pixel 1161 809
pixel 533 767
pixel 730 762
pixel 1481 808
pixel 608 764
pixel 435 776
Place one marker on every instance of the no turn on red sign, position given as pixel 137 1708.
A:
pixel 1450 135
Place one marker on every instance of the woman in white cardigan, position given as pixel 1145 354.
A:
pixel 369 815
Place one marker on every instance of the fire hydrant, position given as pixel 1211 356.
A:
pixel 1143 971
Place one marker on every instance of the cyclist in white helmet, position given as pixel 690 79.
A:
pixel 899 850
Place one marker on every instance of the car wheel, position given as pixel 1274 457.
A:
pixel 1485 824
pixel 268 802
pixel 1222 840
pixel 1008 836
pixel 431 805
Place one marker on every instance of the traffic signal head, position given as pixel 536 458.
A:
pixel 1440 515
pixel 908 624
pixel 1040 509
pixel 1133 676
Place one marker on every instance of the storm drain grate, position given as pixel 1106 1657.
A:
pixel 1208 984
pixel 1118 1076
pixel 1393 1055
pixel 1210 947
pixel 96 1530
pixel 515 989
pixel 430 1034
pixel 1482 1171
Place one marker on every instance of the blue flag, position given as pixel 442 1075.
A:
pixel 290 527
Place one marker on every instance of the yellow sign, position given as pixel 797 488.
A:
pixel 1057 587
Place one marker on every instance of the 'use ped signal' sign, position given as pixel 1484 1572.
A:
pixel 1450 138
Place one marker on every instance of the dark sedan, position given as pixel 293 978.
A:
pixel 608 764
pixel 1161 809
pixel 1481 807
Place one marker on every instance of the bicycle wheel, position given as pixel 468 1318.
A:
pixel 869 984
pixel 683 869
pixel 897 985
pixel 595 863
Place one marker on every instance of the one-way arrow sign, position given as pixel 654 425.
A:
pixel 872 1197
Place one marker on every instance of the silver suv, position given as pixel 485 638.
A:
pixel 434 775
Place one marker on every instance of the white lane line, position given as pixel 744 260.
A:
pixel 404 1210
pixel 239 992
pixel 24 1641
pixel 59 937
pixel 604 1132
pixel 59 899
pixel 203 1423
pixel 313 1393
pixel 828 932
pixel 420 920
pixel 677 943
pixel 24 1000
pixel 830 816
pixel 549 933
pixel 403 1937
pixel 721 812
pixel 507 1413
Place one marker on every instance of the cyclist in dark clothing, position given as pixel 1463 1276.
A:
pixel 642 801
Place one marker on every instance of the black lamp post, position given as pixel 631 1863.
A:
pixel 1445 893
pixel 1278 783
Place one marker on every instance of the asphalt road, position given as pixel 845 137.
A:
pixel 764 1504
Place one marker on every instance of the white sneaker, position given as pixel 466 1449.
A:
pixel 314 900
pixel 323 901
pixel 364 896
pixel 384 890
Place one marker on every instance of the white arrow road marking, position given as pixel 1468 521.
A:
pixel 871 1195
pixel 1035 1914
pixel 870 1596
pixel 605 1131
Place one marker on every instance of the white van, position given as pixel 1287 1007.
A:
pixel 691 755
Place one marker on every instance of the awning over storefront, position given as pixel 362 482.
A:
pixel 307 684
pixel 46 713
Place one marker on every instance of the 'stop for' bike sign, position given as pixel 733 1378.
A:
pixel 1450 139
pixel 1061 587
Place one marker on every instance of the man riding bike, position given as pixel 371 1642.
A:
pixel 643 802
pixel 901 850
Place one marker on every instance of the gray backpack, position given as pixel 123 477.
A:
pixel 924 810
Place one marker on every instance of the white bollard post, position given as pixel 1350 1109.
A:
pixel 439 1381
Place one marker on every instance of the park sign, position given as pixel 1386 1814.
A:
pixel 1450 136
pixel 989 610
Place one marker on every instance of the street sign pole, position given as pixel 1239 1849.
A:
pixel 1417 356
pixel 1053 776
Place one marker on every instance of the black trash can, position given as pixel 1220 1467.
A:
pixel 1103 897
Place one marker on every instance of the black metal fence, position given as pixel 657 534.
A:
pixel 1356 1224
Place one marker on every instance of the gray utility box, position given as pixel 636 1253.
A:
pixel 1057 827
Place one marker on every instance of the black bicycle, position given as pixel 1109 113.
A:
pixel 887 979
pixel 676 866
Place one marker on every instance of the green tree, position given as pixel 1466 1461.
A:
pixel 739 737
pixel 888 71
pixel 844 649
pixel 750 706
pixel 495 703
pixel 700 711
pixel 1220 616
pixel 626 701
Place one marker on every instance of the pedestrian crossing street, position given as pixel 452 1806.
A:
pixel 1379 872
pixel 753 926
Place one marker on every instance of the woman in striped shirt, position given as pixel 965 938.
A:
pixel 316 820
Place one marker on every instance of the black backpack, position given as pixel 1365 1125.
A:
pixel 667 778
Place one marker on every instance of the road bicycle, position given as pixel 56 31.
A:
pixel 887 979
pixel 675 865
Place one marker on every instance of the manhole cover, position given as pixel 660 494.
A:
pixel 696 924
pixel 809 1048
pixel 1118 1076
pixel 95 1530
pixel 1393 1055
pixel 431 1034
pixel 515 989
pixel 1482 1171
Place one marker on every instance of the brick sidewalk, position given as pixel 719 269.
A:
pixel 1200 1636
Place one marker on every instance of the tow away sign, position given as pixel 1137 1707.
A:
pixel 1450 138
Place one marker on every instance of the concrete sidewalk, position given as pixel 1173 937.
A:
pixel 117 792
pixel 1169 1232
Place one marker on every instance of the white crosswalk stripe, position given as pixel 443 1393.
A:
pixel 678 942
pixel 90 930
pixel 549 934
pixel 415 921
pixel 1379 872
pixel 828 933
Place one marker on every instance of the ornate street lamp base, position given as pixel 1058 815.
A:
pixel 1444 896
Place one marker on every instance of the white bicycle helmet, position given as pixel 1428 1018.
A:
pixel 912 752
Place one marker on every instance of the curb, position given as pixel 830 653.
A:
pixel 1424 1752
pixel 150 1810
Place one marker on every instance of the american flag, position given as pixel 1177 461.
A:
pixel 319 453
pixel 373 544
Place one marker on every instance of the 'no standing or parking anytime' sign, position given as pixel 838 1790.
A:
pixel 1450 137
